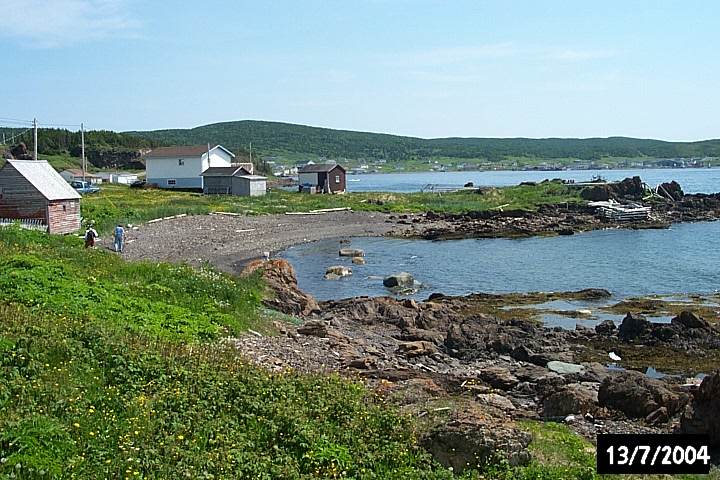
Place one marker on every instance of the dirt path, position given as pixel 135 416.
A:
pixel 229 242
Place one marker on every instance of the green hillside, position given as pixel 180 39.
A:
pixel 272 138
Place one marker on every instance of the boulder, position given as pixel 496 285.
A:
pixel 569 399
pixel 351 252
pixel 358 261
pixel 637 395
pixel 605 327
pixel 474 437
pixel 499 378
pixel 690 320
pixel 701 415
pixel 399 280
pixel 417 349
pixel 633 326
pixel 339 270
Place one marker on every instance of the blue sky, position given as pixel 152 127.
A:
pixel 421 68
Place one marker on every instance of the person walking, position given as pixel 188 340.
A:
pixel 90 236
pixel 119 238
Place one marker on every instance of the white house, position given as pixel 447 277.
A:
pixel 180 167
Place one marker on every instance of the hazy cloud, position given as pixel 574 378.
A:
pixel 56 23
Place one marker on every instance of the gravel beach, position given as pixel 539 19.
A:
pixel 230 242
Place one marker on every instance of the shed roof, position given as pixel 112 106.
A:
pixel 187 151
pixel 232 171
pixel 320 167
pixel 44 178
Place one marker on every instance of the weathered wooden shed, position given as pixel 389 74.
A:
pixel 235 180
pixel 324 177
pixel 33 190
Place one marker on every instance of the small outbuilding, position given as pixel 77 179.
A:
pixel 323 177
pixel 235 180
pixel 72 174
pixel 32 190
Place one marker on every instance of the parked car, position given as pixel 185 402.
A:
pixel 84 187
pixel 138 184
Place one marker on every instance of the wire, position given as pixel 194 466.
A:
pixel 16 121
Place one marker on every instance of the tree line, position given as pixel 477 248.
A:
pixel 275 138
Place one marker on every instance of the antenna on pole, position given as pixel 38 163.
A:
pixel 82 141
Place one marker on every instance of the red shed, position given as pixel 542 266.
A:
pixel 327 178
pixel 33 190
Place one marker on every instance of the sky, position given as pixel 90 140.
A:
pixel 419 68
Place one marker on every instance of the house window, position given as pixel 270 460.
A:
pixel 64 208
pixel 181 162
pixel 337 178
pixel 72 203
pixel 172 181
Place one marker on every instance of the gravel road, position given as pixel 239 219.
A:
pixel 230 242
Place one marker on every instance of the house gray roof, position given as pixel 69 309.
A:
pixel 186 151
pixel 320 167
pixel 234 171
pixel 45 179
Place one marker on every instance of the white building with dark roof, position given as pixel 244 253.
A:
pixel 181 167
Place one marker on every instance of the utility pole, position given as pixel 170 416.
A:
pixel 82 141
pixel 35 138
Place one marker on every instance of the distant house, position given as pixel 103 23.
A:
pixel 323 177
pixel 33 190
pixel 234 180
pixel 180 167
pixel 72 174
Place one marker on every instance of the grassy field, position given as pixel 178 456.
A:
pixel 119 203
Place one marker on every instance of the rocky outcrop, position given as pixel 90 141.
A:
pixel 702 415
pixel 638 396
pixel 287 297
pixel 685 330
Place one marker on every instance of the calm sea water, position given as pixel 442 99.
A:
pixel 682 260
pixel 692 180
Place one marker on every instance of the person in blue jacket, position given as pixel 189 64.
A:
pixel 119 238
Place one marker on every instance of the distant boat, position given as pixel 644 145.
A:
pixel 353 179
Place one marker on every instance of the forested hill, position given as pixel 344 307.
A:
pixel 270 138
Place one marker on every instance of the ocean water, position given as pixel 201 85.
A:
pixel 692 180
pixel 680 261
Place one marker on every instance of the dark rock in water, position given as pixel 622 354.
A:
pixel 637 395
pixel 565 231
pixel 703 413
pixel 399 280
pixel 473 437
pixel 633 326
pixel 569 399
pixel 339 270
